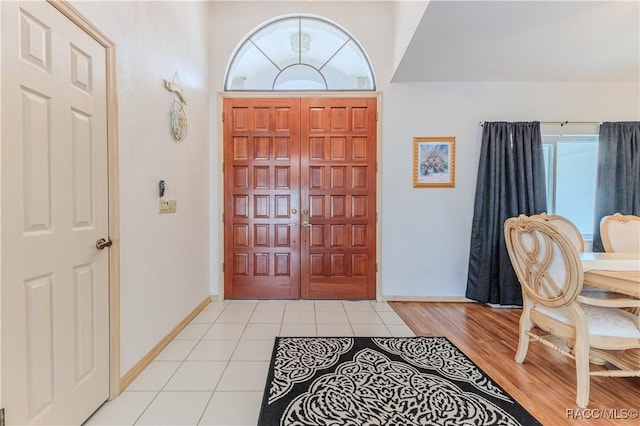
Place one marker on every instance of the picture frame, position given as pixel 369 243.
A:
pixel 434 160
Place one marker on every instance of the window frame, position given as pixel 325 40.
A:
pixel 552 141
pixel 350 42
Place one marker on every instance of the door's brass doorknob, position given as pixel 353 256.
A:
pixel 102 243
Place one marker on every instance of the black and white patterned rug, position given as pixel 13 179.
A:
pixel 381 381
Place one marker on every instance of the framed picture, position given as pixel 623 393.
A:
pixel 434 162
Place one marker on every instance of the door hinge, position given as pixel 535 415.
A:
pixel 376 267
pixel 223 117
pixel 1 416
pixel 222 167
pixel 222 217
pixel 222 266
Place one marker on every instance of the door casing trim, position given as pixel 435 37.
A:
pixel 66 9
pixel 295 94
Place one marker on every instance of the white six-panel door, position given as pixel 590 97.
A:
pixel 55 284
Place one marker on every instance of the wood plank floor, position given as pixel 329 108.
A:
pixel 544 384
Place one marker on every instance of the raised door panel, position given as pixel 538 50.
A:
pixel 36 161
pixel 261 180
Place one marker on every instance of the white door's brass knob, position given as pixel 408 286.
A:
pixel 102 243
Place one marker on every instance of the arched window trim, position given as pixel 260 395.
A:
pixel 248 39
pixel 275 80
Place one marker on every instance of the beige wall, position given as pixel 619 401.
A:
pixel 164 258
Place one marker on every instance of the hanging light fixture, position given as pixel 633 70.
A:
pixel 300 42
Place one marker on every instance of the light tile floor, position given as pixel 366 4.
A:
pixel 214 371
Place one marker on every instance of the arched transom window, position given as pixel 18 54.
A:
pixel 299 53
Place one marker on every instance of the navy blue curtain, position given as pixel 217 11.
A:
pixel 618 178
pixel 511 181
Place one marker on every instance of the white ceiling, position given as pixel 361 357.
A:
pixel 525 41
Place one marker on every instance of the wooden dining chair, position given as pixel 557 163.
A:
pixel 549 270
pixel 620 233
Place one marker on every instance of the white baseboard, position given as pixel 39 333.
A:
pixel 455 299
pixel 499 306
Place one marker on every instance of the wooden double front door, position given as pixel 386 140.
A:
pixel 300 198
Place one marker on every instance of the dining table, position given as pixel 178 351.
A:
pixel 619 274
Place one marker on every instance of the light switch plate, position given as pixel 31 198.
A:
pixel 167 206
